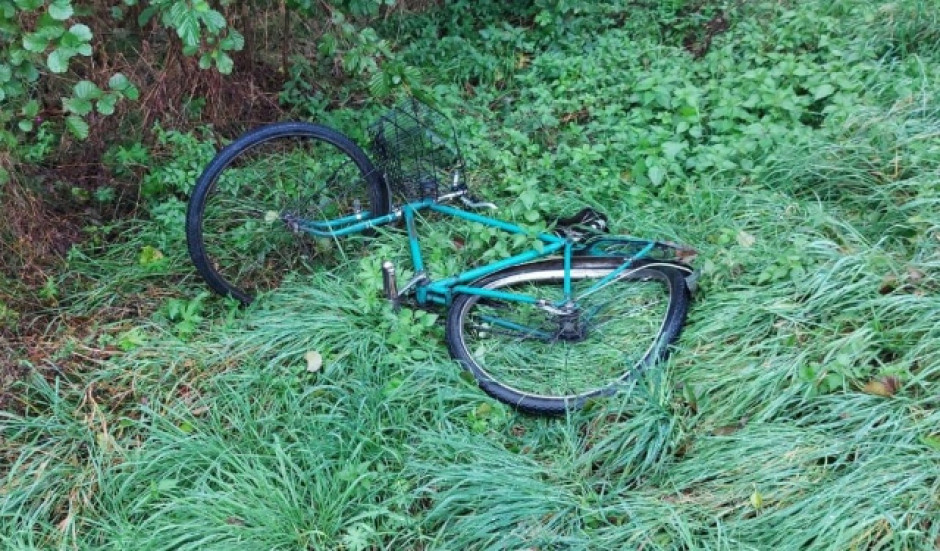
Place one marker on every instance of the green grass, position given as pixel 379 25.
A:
pixel 799 410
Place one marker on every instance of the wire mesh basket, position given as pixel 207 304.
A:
pixel 415 147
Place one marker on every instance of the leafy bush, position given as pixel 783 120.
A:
pixel 45 39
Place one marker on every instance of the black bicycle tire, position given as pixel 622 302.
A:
pixel 378 193
pixel 673 274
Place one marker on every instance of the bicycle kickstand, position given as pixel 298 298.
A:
pixel 390 283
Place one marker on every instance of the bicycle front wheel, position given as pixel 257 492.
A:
pixel 544 360
pixel 244 224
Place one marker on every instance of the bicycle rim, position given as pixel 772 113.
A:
pixel 543 361
pixel 249 230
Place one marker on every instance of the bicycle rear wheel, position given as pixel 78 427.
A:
pixel 242 224
pixel 543 362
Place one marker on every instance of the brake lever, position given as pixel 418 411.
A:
pixel 465 197
pixel 474 204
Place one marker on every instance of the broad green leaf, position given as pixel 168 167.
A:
pixel 17 56
pixel 30 108
pixel 234 41
pixel 213 20
pixel 8 138
pixel 58 60
pixel 34 42
pixel 28 72
pixel 656 174
pixel 25 125
pixel 84 49
pixel 131 93
pixel 61 10
pixel 82 32
pixel 823 90
pixel 224 63
pixel 188 29
pixel 106 104
pixel 5 73
pixel 118 82
pixel 86 89
pixel 77 106
pixel 145 15
pixel 327 46
pixel 378 86
pixel 71 41
pixel 834 381
pixel 671 149
pixel 131 339
pixel 48 27
pixel 352 61
pixel 205 61
pixel 77 126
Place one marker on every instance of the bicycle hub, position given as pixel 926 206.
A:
pixel 571 328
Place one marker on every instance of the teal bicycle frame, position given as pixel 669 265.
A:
pixel 443 291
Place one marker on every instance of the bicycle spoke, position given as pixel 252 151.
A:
pixel 516 329
pixel 246 214
pixel 573 351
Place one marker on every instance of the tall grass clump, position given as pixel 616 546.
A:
pixel 65 447
pixel 883 163
pixel 905 28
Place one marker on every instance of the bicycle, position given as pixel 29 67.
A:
pixel 534 329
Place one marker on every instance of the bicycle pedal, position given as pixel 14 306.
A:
pixel 390 282
pixel 587 220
